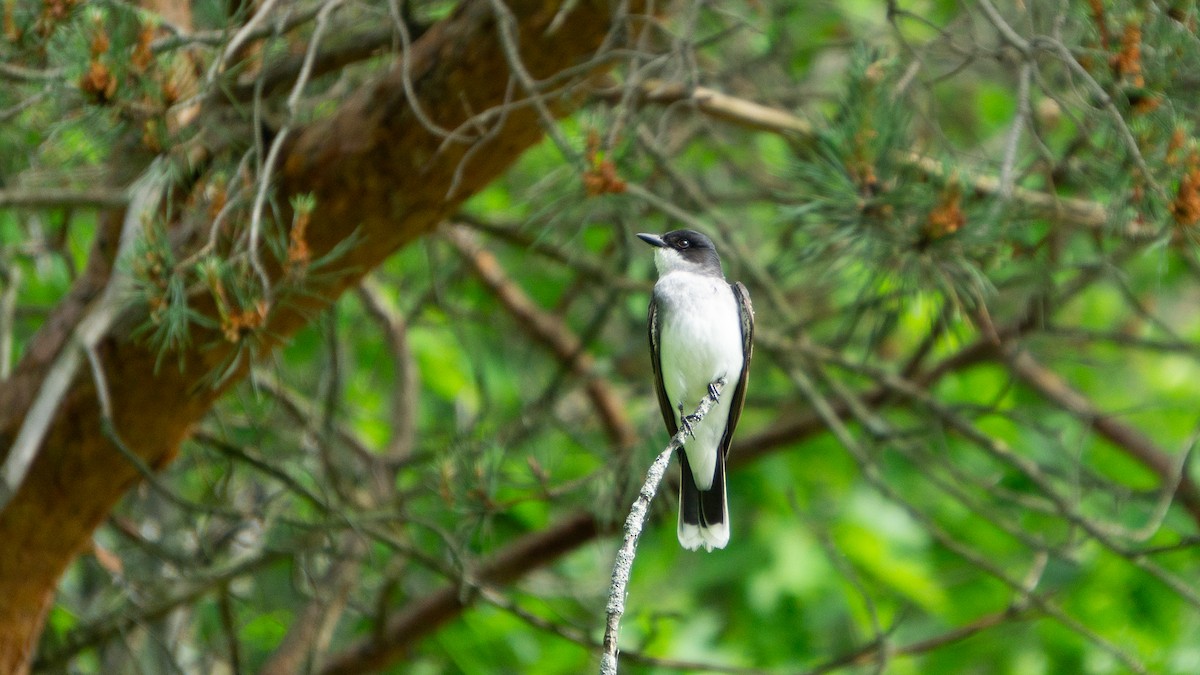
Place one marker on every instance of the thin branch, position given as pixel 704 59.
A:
pixel 1106 101
pixel 868 652
pixel 313 626
pixel 410 94
pixel 871 472
pixel 406 392
pixel 623 564
pixel 550 331
pixel 305 413
pixel 15 73
pixel 144 199
pixel 1013 140
pixel 56 198
pixel 230 628
pixel 278 143
pixel 524 237
pixel 1079 212
pixel 244 34
pixel 349 48
pixel 1009 34
pixel 10 276
pixel 425 615
pixel 1101 532
pixel 216 38
pixel 719 106
pixel 24 104
pixel 1131 441
pixel 506 25
pixel 114 624
pixel 581 638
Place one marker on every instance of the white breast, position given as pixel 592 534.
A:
pixel 700 341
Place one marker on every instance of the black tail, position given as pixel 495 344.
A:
pixel 703 520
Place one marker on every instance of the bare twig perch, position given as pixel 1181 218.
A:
pixel 633 529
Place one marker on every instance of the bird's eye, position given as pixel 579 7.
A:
pixel 684 243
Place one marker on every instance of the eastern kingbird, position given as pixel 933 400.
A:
pixel 701 328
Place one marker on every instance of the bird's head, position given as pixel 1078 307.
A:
pixel 684 251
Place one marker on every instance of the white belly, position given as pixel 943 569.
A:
pixel 700 341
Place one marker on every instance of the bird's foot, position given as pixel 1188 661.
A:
pixel 687 422
pixel 713 392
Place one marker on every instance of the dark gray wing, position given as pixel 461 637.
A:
pixel 746 311
pixel 668 410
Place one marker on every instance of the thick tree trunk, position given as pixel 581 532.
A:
pixel 377 171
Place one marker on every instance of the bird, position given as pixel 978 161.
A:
pixel 701 329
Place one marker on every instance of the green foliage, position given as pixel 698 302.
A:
pixel 875 234
pixel 961 505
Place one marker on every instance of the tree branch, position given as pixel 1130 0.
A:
pixel 406 393
pixel 1078 212
pixel 550 331
pixel 426 615
pixel 623 564
pixel 146 194
pixel 312 628
pixel 379 179
pixel 1132 442
pixel 58 198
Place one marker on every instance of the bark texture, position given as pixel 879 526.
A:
pixel 378 172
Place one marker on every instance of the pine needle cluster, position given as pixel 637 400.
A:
pixel 865 206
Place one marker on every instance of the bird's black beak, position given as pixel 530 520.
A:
pixel 652 239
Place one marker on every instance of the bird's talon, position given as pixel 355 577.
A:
pixel 712 390
pixel 685 422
